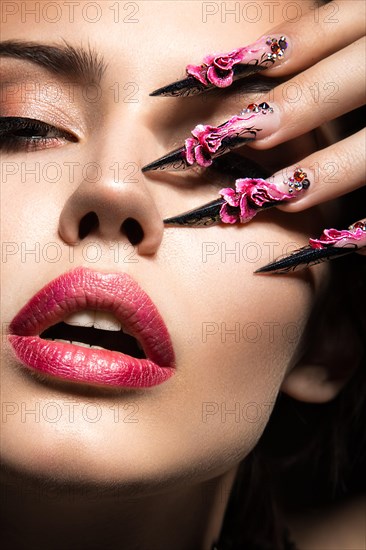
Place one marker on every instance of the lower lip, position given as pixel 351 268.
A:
pixel 87 365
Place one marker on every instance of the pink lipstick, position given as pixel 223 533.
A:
pixel 94 328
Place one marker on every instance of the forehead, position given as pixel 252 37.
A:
pixel 147 36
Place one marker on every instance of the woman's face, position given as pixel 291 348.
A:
pixel 234 333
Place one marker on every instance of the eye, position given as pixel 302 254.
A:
pixel 26 134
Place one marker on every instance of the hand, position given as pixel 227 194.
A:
pixel 328 58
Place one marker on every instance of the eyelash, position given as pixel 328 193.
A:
pixel 10 142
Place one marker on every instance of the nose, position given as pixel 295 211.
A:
pixel 113 209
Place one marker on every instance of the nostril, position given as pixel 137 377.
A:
pixel 133 231
pixel 88 224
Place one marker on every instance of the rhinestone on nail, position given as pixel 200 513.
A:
pixel 254 108
pixel 277 47
pixel 297 181
pixel 358 225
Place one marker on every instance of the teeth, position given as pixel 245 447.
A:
pixel 82 344
pixel 106 321
pixel 102 320
pixel 81 318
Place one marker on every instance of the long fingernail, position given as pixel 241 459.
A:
pixel 221 70
pixel 240 205
pixel 332 244
pixel 208 142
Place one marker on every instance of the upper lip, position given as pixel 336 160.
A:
pixel 117 293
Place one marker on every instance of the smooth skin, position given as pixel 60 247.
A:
pixel 148 469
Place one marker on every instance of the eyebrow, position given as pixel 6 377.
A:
pixel 75 63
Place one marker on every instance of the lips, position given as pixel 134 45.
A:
pixel 84 290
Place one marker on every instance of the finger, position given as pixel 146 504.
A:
pixel 209 142
pixel 287 49
pixel 360 224
pixel 322 93
pixel 285 119
pixel 333 171
pixel 321 33
pixel 332 244
pixel 240 205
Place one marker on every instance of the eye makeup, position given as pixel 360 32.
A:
pixel 25 134
pixel 42 99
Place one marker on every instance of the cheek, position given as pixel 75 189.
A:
pixel 31 250
pixel 32 195
pixel 234 333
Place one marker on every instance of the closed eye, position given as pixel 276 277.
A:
pixel 26 134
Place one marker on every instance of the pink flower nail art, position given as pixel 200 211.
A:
pixel 248 195
pixel 208 142
pixel 208 139
pixel 334 237
pixel 218 70
pixel 332 244
pixel 240 205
